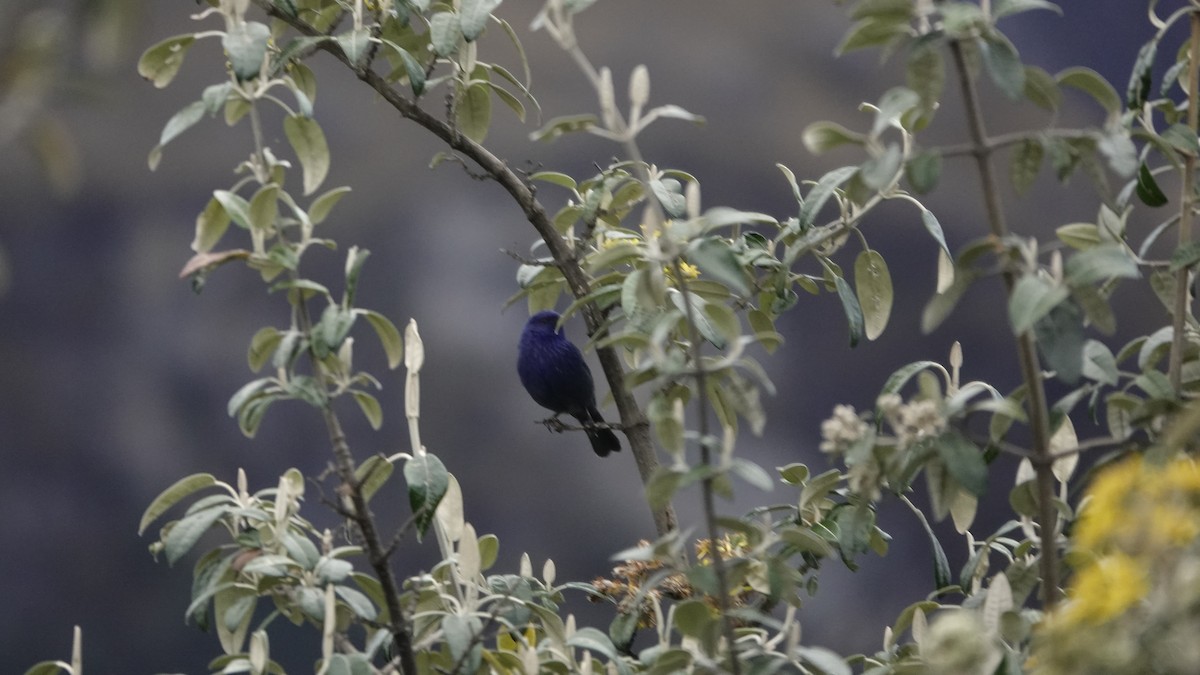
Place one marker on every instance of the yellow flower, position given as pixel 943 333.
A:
pixel 666 225
pixel 1137 549
pixel 729 546
pixel 1141 509
pixel 1104 589
pixel 611 242
pixel 689 270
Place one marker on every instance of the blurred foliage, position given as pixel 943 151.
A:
pixel 49 50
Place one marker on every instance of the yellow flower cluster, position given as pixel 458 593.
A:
pixel 1136 551
pixel 688 270
pixel 729 546
pixel 1135 514
pixel 625 587
pixel 1141 509
pixel 1105 589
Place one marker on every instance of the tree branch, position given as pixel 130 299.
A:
pixel 633 420
pixel 363 519
pixel 1031 372
pixel 377 555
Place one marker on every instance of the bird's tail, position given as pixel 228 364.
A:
pixel 603 441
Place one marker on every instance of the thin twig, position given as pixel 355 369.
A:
pixel 1001 141
pixel 363 519
pixel 532 262
pixel 1026 349
pixel 377 555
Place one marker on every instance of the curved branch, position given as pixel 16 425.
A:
pixel 633 420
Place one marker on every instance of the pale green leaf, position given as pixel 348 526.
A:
pixel 931 224
pixel 188 530
pixel 716 259
pixel 554 177
pixel 894 103
pixel 925 73
pixel 318 211
pixel 1033 298
pixel 308 142
pixel 854 314
pixel 188 116
pixel 1004 65
pixel 1099 263
pixel 262 347
pixel 1079 235
pixel 211 225
pixel 49 668
pixel 1182 138
pixel 389 336
pixel 370 408
pixel 1026 162
pixel 1003 8
pixel 416 73
pixel 264 207
pixel 234 206
pixel 180 490
pixel 563 125
pixel 509 100
pixel 474 111
pixel 873 285
pixel 820 137
pixel 878 172
pixel 924 171
pixel 354 44
pixel 372 474
pixel 823 660
pixel 1093 84
pixel 1060 340
pixel 444 33
pixel 358 603
pixel 246 46
pixel 821 192
pixel 161 62
pixel 474 15
pixel 428 481
pixel 1041 89
pixel 1141 77
pixel 232 638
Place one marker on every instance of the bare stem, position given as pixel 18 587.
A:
pixel 1186 205
pixel 633 420
pixel 377 553
pixel 1004 140
pixel 364 520
pixel 1031 371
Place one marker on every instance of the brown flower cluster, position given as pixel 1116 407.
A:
pixel 627 587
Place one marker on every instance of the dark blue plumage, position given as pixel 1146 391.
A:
pixel 556 376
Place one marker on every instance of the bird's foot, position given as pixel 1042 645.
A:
pixel 558 426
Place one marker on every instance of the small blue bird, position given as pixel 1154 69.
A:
pixel 555 375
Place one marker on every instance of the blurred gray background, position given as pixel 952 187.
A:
pixel 116 374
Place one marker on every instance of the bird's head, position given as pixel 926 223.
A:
pixel 543 322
